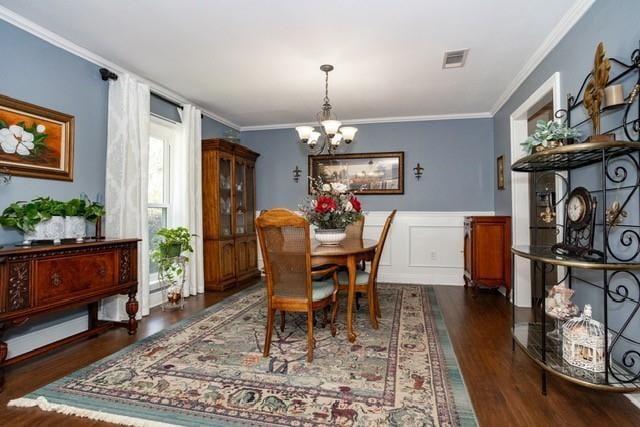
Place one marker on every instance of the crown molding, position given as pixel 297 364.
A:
pixel 570 18
pixel 400 119
pixel 54 39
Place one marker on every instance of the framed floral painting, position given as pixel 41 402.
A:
pixel 35 141
pixel 362 173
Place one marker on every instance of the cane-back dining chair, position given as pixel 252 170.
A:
pixel 366 283
pixel 286 252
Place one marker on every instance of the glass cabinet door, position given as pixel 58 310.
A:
pixel 251 204
pixel 225 196
pixel 240 197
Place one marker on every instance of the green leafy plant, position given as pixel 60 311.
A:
pixel 24 216
pixel 547 131
pixel 168 244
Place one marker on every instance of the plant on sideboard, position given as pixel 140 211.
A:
pixel 44 218
pixel 549 134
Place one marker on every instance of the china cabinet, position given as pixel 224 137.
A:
pixel 228 203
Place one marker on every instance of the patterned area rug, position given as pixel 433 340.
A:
pixel 209 370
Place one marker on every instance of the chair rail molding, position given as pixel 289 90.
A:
pixel 422 247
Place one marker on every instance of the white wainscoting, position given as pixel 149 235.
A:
pixel 422 247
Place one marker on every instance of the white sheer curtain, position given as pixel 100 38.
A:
pixel 186 191
pixel 126 182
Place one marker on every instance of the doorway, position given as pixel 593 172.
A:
pixel 542 219
pixel 521 193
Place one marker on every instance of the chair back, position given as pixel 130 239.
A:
pixel 383 237
pixel 354 230
pixel 286 252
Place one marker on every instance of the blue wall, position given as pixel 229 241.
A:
pixel 614 22
pixel 36 72
pixel 457 156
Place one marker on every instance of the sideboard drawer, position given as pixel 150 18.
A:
pixel 63 278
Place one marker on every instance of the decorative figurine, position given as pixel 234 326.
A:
pixel 615 215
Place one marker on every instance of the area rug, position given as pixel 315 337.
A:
pixel 209 370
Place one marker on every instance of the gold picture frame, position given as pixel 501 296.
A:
pixel 363 173
pixel 35 142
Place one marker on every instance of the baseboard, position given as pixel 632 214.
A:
pixel 27 342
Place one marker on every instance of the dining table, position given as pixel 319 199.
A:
pixel 348 253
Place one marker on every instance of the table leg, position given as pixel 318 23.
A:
pixel 351 266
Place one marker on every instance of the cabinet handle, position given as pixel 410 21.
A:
pixel 102 271
pixel 56 280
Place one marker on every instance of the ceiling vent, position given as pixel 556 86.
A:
pixel 455 58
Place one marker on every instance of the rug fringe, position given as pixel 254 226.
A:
pixel 45 405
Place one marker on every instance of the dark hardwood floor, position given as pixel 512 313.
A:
pixel 504 386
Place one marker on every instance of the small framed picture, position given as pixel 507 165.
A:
pixel 500 172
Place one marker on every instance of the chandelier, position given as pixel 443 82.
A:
pixel 331 133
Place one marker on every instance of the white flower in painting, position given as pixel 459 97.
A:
pixel 326 187
pixel 16 140
pixel 338 187
pixel 348 207
pixel 40 128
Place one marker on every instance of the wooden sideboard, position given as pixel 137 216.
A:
pixel 47 278
pixel 487 246
pixel 229 209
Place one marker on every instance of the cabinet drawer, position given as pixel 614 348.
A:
pixel 70 277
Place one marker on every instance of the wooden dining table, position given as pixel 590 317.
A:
pixel 348 253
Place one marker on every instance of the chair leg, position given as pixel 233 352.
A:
pixel 372 308
pixel 334 312
pixel 271 314
pixel 310 335
pixel 282 320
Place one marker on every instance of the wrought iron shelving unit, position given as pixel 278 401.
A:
pixel 618 166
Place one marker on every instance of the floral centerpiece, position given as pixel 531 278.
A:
pixel 331 208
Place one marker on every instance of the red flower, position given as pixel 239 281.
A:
pixel 356 204
pixel 325 204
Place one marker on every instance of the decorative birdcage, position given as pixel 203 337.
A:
pixel 583 342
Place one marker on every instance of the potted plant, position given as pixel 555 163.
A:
pixel 170 243
pixel 549 134
pixel 331 208
pixel 40 219
pixel 77 212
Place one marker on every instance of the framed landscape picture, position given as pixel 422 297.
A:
pixel 362 173
pixel 35 141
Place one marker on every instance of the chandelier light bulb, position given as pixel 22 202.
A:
pixel 313 138
pixel 331 127
pixel 348 133
pixel 304 133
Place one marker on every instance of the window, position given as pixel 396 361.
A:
pixel 162 136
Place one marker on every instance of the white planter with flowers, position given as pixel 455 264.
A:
pixel 331 208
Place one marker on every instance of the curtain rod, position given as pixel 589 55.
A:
pixel 107 74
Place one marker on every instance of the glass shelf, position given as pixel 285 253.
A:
pixel 573 156
pixel 544 254
pixel 528 337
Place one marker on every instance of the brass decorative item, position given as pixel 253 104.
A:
pixel 594 92
pixel 548 215
pixel 615 215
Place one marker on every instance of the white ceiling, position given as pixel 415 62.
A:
pixel 256 62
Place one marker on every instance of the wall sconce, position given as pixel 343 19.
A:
pixel 296 174
pixel 5 176
pixel 417 171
